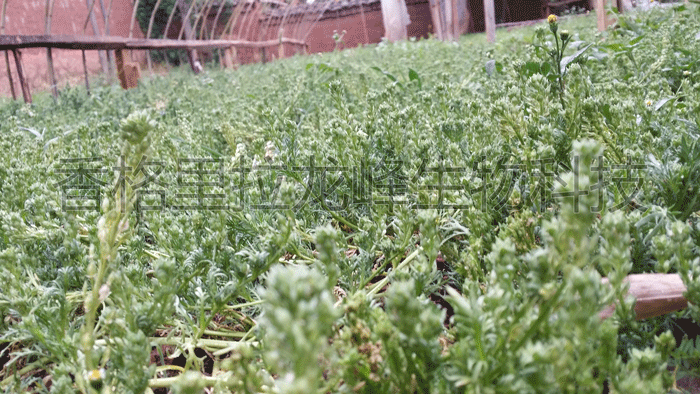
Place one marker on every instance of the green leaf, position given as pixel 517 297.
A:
pixel 391 77
pixel 569 59
pixel 661 103
pixel 413 76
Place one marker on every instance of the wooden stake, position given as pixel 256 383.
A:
pixel 7 55
pixel 490 19
pixel 9 76
pixel 87 81
pixel 52 74
pixel 49 58
pixel 281 51
pixel 20 73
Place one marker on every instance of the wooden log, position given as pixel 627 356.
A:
pixel 490 19
pixel 455 20
pixel 22 80
pixel 600 14
pixel 436 17
pixel 656 295
pixel 449 28
pixel 127 72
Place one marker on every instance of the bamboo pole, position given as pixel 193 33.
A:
pixel 231 23
pixel 170 20
pixel 222 52
pixel 90 6
pixel 206 9
pixel 148 35
pixel 216 20
pixel 7 54
pixel 96 31
pixel 252 16
pixel 133 18
pixel 186 18
pixel 20 73
pixel 264 30
pixel 49 58
pixel 110 54
pixel 187 28
pixel 655 294
pixel 490 19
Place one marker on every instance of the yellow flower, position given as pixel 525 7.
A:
pixel 648 103
pixel 552 18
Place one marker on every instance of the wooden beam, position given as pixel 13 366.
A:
pixel 12 42
pixel 20 72
pixel 490 19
